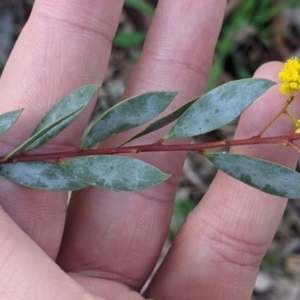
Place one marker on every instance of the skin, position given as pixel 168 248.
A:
pixel 104 245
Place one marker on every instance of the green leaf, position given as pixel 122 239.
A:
pixel 76 101
pixel 141 6
pixel 129 39
pixel 266 176
pixel 115 173
pixel 41 175
pixel 8 119
pixel 126 115
pixel 218 107
pixel 40 133
pixel 161 122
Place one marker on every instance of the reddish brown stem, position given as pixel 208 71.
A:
pixel 283 140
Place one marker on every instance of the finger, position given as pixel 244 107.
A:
pixel 126 231
pixel 218 251
pixel 27 272
pixel 64 45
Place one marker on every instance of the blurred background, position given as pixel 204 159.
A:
pixel 254 32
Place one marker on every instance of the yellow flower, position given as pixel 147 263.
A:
pixel 290 77
pixel 297 123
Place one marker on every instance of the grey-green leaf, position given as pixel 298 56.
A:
pixel 77 100
pixel 41 175
pixel 115 173
pixel 126 115
pixel 8 119
pixel 24 146
pixel 266 176
pixel 218 107
pixel 164 121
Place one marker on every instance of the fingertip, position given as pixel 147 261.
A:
pixel 269 70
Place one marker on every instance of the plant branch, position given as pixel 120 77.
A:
pixel 286 140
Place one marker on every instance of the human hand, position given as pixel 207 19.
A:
pixel 104 245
